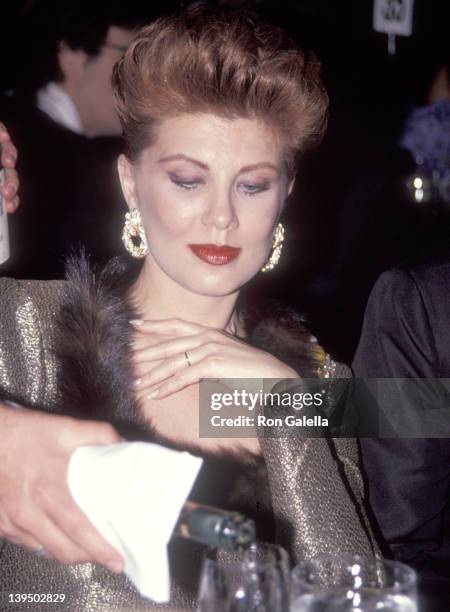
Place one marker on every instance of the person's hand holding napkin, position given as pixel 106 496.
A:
pixel 133 493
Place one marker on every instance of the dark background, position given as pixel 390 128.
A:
pixel 357 68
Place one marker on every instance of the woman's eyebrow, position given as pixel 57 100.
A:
pixel 259 166
pixel 180 156
pixel 249 168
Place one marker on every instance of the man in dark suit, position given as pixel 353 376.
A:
pixel 406 334
pixel 67 134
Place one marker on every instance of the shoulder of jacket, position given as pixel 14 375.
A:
pixel 40 294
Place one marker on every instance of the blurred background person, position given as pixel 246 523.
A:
pixel 62 120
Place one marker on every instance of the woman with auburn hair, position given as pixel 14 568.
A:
pixel 216 108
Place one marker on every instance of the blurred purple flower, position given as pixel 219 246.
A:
pixel 426 135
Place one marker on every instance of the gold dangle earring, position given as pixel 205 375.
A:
pixel 277 246
pixel 133 227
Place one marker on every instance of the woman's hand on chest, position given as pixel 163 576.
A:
pixel 173 354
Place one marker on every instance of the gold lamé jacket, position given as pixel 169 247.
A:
pixel 64 348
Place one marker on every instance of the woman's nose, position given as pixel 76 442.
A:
pixel 220 213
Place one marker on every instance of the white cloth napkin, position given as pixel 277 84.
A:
pixel 133 493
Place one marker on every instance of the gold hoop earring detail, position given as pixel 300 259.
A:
pixel 277 246
pixel 133 227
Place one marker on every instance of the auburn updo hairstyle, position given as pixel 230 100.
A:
pixel 229 64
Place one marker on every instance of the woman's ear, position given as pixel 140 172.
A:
pixel 127 181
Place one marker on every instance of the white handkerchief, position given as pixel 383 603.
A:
pixel 133 493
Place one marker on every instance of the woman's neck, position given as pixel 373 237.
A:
pixel 158 297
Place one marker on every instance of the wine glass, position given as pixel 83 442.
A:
pixel 252 580
pixel 349 583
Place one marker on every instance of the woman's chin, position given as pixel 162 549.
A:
pixel 214 286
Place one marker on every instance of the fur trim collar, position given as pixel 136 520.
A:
pixel 95 336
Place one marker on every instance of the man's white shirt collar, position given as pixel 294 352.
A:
pixel 57 104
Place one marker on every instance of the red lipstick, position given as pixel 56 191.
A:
pixel 215 255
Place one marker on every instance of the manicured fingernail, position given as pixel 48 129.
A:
pixel 115 566
pixel 137 322
pixel 137 382
pixel 153 394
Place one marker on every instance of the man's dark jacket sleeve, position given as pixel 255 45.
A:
pixel 406 333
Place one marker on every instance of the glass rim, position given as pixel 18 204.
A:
pixel 410 575
pixel 283 555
